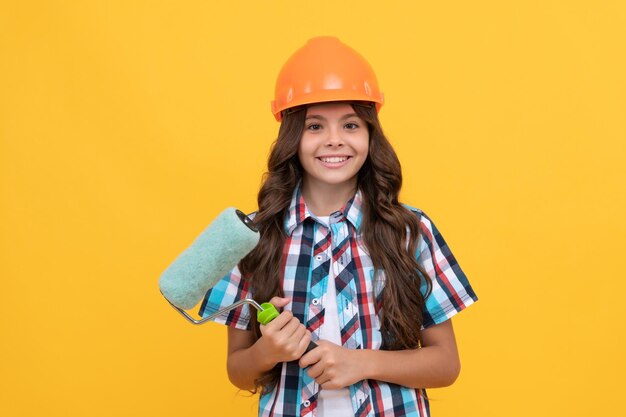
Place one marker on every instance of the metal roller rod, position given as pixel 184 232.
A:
pixel 248 301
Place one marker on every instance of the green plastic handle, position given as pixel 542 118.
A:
pixel 268 314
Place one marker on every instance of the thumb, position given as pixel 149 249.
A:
pixel 280 302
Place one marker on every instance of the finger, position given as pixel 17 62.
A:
pixel 310 358
pixel 280 321
pixel 324 342
pixel 280 302
pixel 315 371
pixel 304 343
pixel 290 329
pixel 329 384
pixel 322 380
pixel 299 331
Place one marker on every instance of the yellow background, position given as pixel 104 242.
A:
pixel 126 127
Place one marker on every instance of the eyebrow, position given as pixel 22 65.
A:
pixel 345 116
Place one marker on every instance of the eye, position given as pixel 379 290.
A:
pixel 314 126
pixel 351 125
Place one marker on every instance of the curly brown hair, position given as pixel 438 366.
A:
pixel 390 232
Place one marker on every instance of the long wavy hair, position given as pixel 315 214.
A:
pixel 389 231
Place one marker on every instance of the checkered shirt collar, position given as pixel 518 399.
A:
pixel 298 211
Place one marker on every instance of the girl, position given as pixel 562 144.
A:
pixel 369 280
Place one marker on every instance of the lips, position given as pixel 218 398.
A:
pixel 333 159
pixel 334 162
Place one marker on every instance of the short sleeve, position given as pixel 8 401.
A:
pixel 451 290
pixel 230 289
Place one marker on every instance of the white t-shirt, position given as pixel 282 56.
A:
pixel 332 403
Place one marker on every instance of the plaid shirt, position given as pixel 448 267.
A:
pixel 310 250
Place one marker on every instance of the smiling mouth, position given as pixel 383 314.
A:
pixel 334 159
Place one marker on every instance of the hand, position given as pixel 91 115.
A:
pixel 333 366
pixel 284 338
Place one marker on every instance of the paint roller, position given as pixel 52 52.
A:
pixel 212 255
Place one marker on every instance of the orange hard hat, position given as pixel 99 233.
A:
pixel 325 69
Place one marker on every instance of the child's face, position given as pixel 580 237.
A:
pixel 334 145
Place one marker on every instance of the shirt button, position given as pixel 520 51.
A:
pixel 318 257
pixel 315 301
pixel 306 403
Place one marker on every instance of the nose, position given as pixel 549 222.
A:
pixel 334 138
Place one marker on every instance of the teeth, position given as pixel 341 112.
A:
pixel 334 159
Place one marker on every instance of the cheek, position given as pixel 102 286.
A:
pixel 364 147
pixel 301 148
pixel 363 150
pixel 304 146
pixel 305 153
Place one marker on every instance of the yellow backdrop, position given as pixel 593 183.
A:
pixel 126 127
